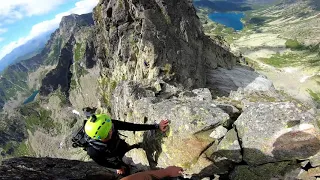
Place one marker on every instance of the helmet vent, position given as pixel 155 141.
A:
pixel 93 118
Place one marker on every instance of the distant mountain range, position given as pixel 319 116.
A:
pixel 26 51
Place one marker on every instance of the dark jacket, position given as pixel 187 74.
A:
pixel 110 153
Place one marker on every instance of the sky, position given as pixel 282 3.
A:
pixel 23 20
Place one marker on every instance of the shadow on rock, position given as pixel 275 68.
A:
pixel 152 141
pixel 222 81
pixel 289 150
pixel 296 145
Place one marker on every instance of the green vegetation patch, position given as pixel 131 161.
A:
pixel 314 62
pixel 38 117
pixel 23 149
pixel 284 60
pixel 17 149
pixel 77 52
pixel 259 21
pixel 315 96
pixel 55 52
pixel 295 45
pixel 107 86
pixel 251 63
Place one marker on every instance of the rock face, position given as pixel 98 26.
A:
pixel 229 148
pixel 12 131
pixel 151 39
pixel 51 168
pixel 272 132
pixel 268 137
pixel 61 75
pixel 191 122
pixel 74 32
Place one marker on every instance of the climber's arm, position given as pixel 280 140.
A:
pixel 157 174
pixel 120 125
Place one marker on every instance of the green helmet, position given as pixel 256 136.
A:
pixel 98 126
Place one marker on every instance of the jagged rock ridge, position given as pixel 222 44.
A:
pixel 71 30
pixel 156 39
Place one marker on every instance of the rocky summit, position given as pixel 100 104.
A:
pixel 142 61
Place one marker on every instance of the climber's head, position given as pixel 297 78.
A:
pixel 99 127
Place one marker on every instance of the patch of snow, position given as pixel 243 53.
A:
pixel 60 145
pixel 75 112
pixel 305 78
pixel 290 70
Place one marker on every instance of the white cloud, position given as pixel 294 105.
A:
pixel 81 7
pixel 3 30
pixel 11 10
pixel 1 39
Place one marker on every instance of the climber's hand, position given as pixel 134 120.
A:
pixel 163 126
pixel 173 171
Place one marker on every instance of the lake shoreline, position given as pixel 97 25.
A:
pixel 229 19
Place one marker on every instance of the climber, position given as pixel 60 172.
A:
pixel 171 171
pixel 105 145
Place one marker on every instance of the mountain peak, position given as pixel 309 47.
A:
pixel 69 23
pixel 156 39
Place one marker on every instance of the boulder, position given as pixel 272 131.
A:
pixel 219 132
pixel 225 81
pixel 180 146
pixel 191 119
pixel 202 94
pixel 312 173
pixel 267 171
pixel 271 132
pixel 315 160
pixel 229 148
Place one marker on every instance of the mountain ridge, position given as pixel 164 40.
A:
pixel 30 48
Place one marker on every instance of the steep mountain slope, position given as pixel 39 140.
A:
pixel 67 73
pixel 175 42
pixel 287 41
pixel 26 51
pixel 281 40
pixel 16 77
pixel 19 80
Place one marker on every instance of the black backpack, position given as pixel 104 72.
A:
pixel 80 138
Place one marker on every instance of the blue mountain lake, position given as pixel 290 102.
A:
pixel 32 97
pixel 230 19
